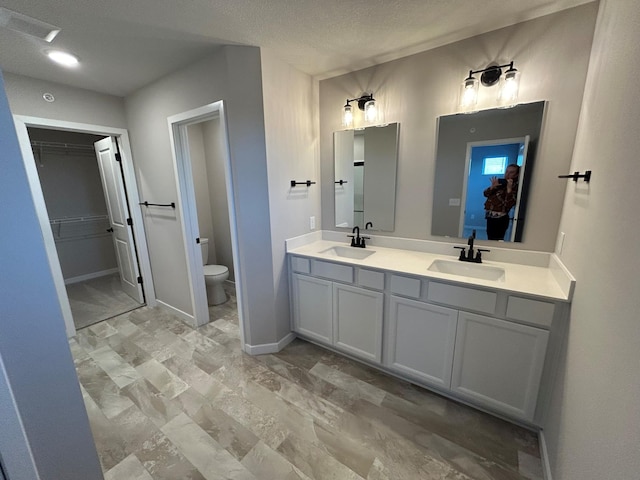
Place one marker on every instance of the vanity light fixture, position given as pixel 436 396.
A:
pixel 509 85
pixel 366 103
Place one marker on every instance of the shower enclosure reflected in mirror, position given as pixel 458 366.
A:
pixel 365 162
pixel 474 148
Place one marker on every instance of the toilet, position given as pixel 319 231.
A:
pixel 214 276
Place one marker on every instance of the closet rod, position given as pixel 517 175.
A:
pixel 35 143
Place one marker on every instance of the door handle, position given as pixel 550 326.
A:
pixel 110 230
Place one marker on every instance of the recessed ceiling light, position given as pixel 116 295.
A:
pixel 63 58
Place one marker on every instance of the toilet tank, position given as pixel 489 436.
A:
pixel 204 247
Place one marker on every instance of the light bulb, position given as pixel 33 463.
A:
pixel 469 92
pixel 370 111
pixel 509 87
pixel 347 116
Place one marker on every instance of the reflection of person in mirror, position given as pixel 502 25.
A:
pixel 501 197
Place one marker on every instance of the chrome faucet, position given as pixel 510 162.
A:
pixel 468 256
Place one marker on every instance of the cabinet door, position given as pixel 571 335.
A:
pixel 312 308
pixel 357 321
pixel 420 340
pixel 499 363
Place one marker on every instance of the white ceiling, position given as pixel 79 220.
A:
pixel 126 44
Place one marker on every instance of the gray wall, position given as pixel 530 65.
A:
pixel 71 104
pixel 231 74
pixel 200 183
pixel 38 372
pixel 291 133
pixel 551 53
pixel 593 429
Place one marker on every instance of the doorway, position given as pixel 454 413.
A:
pixel 201 157
pixel 86 257
pixel 85 214
pixel 486 160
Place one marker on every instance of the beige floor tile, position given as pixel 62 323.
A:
pixel 266 464
pixel 213 461
pixel 166 401
pixel 129 468
pixel 162 378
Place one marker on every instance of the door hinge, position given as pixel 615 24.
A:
pixel 140 280
pixel 129 222
pixel 118 157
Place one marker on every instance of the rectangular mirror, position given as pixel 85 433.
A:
pixel 484 165
pixel 365 164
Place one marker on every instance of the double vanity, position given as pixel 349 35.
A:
pixel 487 334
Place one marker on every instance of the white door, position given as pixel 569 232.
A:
pixel 118 209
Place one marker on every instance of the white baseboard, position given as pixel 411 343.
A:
pixel 89 276
pixel 544 456
pixel 269 347
pixel 189 319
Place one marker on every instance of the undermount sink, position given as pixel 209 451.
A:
pixel 466 269
pixel 348 252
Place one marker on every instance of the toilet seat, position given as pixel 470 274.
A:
pixel 214 270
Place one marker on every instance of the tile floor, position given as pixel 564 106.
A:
pixel 97 299
pixel 166 401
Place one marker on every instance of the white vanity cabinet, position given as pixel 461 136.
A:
pixel 498 363
pixel 485 346
pixel 343 316
pixel 420 340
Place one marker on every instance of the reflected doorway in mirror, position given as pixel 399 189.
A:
pixel 486 161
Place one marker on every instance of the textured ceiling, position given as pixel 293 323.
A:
pixel 126 44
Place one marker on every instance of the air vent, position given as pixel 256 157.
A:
pixel 29 26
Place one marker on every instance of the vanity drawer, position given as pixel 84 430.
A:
pixel 405 286
pixel 535 312
pixel 300 265
pixel 371 279
pixel 462 297
pixel 333 271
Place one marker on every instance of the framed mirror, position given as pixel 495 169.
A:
pixel 484 165
pixel 365 165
